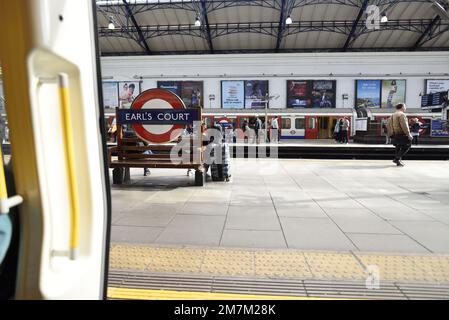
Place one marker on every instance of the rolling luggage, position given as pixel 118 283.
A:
pixel 221 169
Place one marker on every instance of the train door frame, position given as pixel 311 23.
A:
pixel 311 131
pixel 51 268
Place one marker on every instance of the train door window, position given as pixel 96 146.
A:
pixel 311 123
pixel 286 123
pixel 243 120
pixel 208 121
pixel 299 123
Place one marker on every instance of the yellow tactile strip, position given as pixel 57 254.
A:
pixel 280 264
pixel 144 294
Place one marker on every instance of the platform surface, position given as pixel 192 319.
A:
pixel 340 205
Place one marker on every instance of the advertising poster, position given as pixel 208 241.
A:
pixel 110 95
pixel 298 94
pixel 232 94
pixel 192 93
pixel 311 93
pixel 128 91
pixel 393 92
pixel 323 93
pixel 368 93
pixel 255 92
pixel 439 128
pixel 437 85
pixel 173 86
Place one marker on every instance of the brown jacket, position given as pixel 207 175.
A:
pixel 398 124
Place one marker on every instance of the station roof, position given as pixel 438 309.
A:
pixel 146 27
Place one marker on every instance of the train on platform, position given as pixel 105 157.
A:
pixel 301 124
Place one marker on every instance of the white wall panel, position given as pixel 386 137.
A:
pixel 277 68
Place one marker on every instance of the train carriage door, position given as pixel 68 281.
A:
pixel 209 121
pixel 286 127
pixel 50 69
pixel 311 127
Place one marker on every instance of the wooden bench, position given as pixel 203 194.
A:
pixel 129 154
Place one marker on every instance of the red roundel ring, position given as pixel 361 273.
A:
pixel 162 94
pixel 224 120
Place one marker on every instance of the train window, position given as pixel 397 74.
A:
pixel 299 123
pixel 286 123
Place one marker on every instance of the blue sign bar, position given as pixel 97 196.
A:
pixel 157 116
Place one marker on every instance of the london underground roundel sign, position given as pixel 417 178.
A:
pixel 158 99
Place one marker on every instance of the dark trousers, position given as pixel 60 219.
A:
pixel 415 140
pixel 344 136
pixel 401 150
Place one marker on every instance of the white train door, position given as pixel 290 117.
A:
pixel 50 76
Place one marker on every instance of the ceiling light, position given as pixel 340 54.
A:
pixel 197 22
pixel 384 18
pixel 288 20
pixel 111 25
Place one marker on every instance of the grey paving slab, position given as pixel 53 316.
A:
pixel 193 230
pixel 253 239
pixel 336 203
pixel 372 202
pixel 250 200
pixel 433 235
pixel 204 208
pixel 360 220
pixel 314 234
pixel 386 243
pixel 135 234
pixel 147 218
pixel 441 215
pixel 252 218
pixel 400 213
pixel 303 210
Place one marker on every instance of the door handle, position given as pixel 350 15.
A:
pixel 66 120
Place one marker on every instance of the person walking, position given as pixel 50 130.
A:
pixel 415 127
pixel 400 133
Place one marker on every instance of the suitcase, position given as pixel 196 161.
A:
pixel 221 171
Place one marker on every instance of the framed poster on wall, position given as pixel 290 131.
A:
pixel 436 85
pixel 232 94
pixel 255 92
pixel 368 93
pixel 128 91
pixel 393 92
pixel 191 92
pixel 311 93
pixel 323 93
pixel 173 86
pixel 298 94
pixel 110 95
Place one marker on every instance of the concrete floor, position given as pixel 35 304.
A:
pixel 339 205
